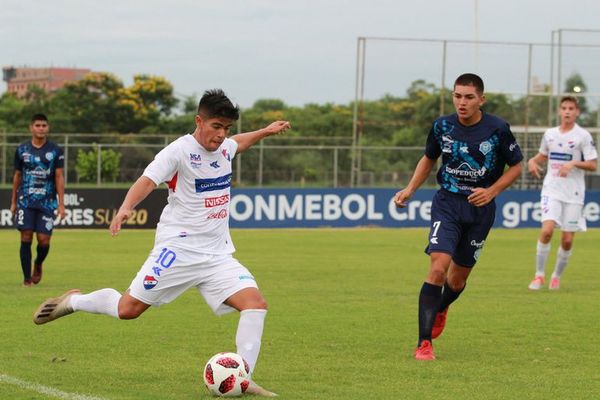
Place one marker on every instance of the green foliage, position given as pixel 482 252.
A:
pixel 87 165
pixel 13 113
pixel 99 103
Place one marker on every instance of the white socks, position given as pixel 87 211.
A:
pixel 103 301
pixel 543 250
pixel 249 334
pixel 562 258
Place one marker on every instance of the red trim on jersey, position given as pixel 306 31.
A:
pixel 173 182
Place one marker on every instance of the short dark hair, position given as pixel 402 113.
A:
pixel 215 104
pixel 39 117
pixel 572 99
pixel 470 80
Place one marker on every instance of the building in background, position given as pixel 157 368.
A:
pixel 19 79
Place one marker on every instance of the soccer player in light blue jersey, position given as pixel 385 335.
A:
pixel 37 194
pixel 475 148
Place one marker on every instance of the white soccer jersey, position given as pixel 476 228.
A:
pixel 196 217
pixel 577 144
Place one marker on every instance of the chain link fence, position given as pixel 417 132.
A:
pixel 118 160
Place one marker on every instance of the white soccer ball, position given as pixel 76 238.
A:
pixel 226 375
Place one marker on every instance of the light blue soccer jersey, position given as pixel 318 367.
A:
pixel 472 156
pixel 38 168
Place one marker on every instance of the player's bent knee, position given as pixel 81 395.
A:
pixel 436 276
pixel 546 236
pixel 567 245
pixel 261 305
pixel 130 308
pixel 129 313
pixel 254 304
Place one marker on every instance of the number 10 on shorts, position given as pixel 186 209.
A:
pixel 164 260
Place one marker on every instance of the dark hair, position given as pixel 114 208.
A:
pixel 215 104
pixel 572 99
pixel 39 117
pixel 470 80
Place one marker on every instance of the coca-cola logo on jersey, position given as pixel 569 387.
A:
pixel 218 215
pixel 216 201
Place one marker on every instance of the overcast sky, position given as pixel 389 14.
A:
pixel 299 51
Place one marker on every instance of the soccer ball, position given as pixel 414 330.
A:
pixel 226 375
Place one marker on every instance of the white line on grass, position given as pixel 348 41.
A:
pixel 45 389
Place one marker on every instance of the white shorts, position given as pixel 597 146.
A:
pixel 568 216
pixel 168 272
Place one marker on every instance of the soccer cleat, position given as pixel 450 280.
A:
pixel 54 308
pixel 254 389
pixel 424 351
pixel 554 284
pixel 537 283
pixel 439 323
pixel 37 274
pixel 27 283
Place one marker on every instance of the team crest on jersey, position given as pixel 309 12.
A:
pixel 485 147
pixel 226 155
pixel 150 282
pixel 26 157
pixel 49 156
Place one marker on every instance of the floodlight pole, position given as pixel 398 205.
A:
pixel 443 85
pixel 559 66
pixel 551 96
pixel 238 169
pixel 359 95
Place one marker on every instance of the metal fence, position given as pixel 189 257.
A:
pixel 268 164
pixel 536 73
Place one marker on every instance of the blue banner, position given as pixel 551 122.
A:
pixel 297 208
pixel 309 208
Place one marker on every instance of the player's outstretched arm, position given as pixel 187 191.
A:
pixel 138 192
pixel 248 139
pixel 422 171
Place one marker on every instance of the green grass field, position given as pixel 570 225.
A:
pixel 342 322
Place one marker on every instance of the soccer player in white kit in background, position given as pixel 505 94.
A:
pixel 569 151
pixel 193 247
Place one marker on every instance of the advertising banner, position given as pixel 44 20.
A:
pixel 298 208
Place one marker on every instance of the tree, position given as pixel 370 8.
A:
pixel 12 113
pixel 100 103
pixel 87 165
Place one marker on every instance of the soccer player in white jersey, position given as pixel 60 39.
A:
pixel 192 246
pixel 569 151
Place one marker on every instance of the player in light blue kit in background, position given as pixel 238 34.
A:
pixel 475 148
pixel 37 194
